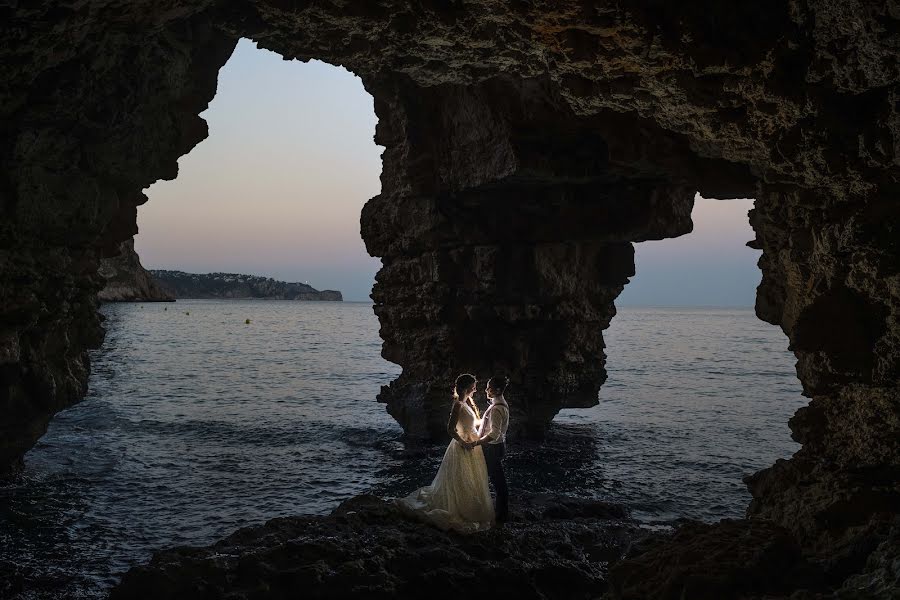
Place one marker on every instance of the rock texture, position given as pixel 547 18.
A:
pixel 128 281
pixel 831 279
pixel 558 548
pixel 82 135
pixel 733 559
pixel 881 576
pixel 234 285
pixel 750 559
pixel 553 548
pixel 527 146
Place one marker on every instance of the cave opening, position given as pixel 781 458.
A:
pixel 104 99
pixel 239 199
pixel 253 382
pixel 257 184
pixel 277 187
pixel 205 415
pixel 699 388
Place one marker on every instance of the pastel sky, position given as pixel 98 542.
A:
pixel 277 189
pixel 711 266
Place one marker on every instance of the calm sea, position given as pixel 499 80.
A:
pixel 197 424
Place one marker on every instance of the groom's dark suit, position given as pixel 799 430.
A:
pixel 495 423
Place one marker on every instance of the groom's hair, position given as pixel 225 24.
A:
pixel 498 382
pixel 463 382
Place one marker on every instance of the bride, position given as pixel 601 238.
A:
pixel 458 498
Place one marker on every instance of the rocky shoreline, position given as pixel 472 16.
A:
pixel 554 547
pixel 367 548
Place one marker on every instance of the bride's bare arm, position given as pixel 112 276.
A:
pixel 451 425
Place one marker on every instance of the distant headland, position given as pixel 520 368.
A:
pixel 235 285
pixel 128 281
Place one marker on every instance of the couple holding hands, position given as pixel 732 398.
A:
pixel 459 497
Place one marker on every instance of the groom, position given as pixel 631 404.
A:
pixel 492 438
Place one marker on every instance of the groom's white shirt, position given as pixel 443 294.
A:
pixel 495 421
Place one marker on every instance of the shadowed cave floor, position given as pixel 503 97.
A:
pixel 555 547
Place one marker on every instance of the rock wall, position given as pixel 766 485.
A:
pixel 92 114
pixel 516 276
pixel 126 280
pixel 831 280
pixel 527 145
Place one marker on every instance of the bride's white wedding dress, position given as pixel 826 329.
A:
pixel 458 498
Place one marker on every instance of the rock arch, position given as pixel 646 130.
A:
pixel 527 146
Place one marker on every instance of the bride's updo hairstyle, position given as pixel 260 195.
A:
pixel 498 383
pixel 462 385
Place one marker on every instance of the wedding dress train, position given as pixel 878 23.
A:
pixel 459 497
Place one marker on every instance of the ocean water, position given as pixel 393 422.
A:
pixel 197 423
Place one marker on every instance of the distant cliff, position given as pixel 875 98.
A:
pixel 234 285
pixel 127 280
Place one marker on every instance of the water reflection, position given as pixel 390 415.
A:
pixel 196 425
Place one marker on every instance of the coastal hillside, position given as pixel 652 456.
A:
pixel 235 285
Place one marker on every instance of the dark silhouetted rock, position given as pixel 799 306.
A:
pixel 730 559
pixel 881 576
pixel 368 549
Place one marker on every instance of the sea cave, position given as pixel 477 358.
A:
pixel 528 147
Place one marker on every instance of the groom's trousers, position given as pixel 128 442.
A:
pixel 493 458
